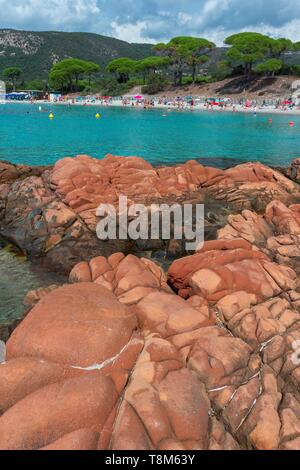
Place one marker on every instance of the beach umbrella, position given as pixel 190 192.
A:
pixel 138 97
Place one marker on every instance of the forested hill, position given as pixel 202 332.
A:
pixel 35 52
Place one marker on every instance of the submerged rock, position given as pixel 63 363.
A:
pixel 2 351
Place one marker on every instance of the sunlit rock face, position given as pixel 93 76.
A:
pixel 50 213
pixel 119 360
pixel 127 356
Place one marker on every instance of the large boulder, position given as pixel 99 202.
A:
pixel 74 327
pixel 78 375
pixel 42 225
pixel 225 266
pixel 118 361
pixel 252 186
pixel 276 232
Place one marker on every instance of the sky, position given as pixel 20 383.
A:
pixel 155 20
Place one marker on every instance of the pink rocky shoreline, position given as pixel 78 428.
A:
pixel 126 356
pixel 50 213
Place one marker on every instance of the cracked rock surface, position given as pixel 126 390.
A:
pixel 127 356
pixel 50 213
pixel 118 360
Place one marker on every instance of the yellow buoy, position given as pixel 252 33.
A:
pixel 98 116
pixel 51 116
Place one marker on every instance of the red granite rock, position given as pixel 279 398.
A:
pixel 276 232
pixel 224 267
pixel 129 358
pixel 51 213
pixel 138 367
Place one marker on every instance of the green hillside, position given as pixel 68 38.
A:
pixel 35 52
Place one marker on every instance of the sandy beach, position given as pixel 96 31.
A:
pixel 169 107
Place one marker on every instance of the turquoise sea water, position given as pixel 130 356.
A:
pixel 28 136
pixel 220 139
pixel 17 277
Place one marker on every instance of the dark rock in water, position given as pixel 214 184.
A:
pixel 219 162
pixel 2 351
pixel 10 172
pixel 148 245
pixel 158 255
pixel 293 171
pixel 176 248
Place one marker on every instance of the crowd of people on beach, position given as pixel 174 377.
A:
pixel 187 103
pixel 212 103
pixel 290 104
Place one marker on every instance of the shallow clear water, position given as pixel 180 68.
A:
pixel 220 139
pixel 17 277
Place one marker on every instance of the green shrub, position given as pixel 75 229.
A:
pixel 135 82
pixel 38 85
pixel 296 70
pixel 223 70
pixel 204 79
pixel 155 84
pixel 187 80
pixel 83 85
pixel 269 67
pixel 200 80
pixel 111 87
